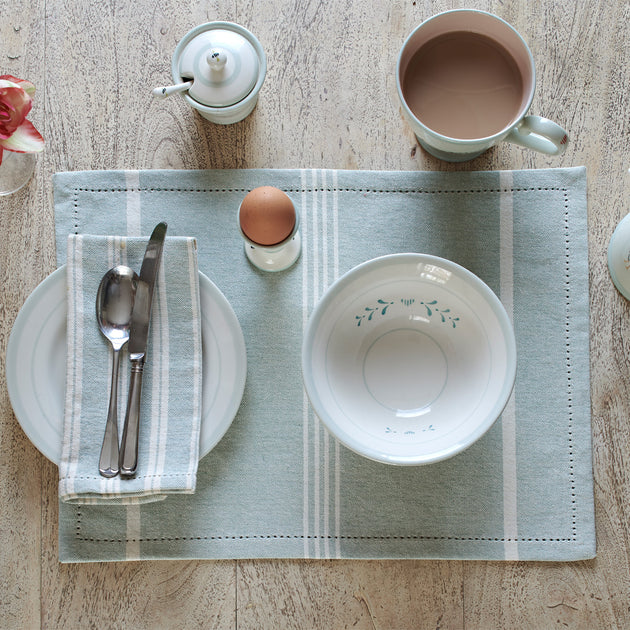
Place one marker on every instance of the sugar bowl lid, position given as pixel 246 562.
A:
pixel 221 61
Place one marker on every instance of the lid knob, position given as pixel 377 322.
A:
pixel 217 58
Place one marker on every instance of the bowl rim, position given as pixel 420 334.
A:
pixel 333 291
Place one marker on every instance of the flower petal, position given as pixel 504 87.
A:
pixel 26 139
pixel 27 86
pixel 15 104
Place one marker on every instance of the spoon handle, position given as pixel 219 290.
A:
pixel 129 446
pixel 163 92
pixel 108 464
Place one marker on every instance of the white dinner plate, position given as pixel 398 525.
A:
pixel 36 364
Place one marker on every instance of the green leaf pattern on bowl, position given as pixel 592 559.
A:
pixel 408 431
pixel 383 307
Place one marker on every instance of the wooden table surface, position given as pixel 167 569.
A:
pixel 329 100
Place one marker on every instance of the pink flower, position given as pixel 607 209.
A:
pixel 17 133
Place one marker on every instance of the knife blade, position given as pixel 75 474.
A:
pixel 137 347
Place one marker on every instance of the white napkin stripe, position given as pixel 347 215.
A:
pixel 109 485
pixel 197 359
pixel 148 458
pixel 69 394
pixel 76 369
pixel 120 258
pixel 164 376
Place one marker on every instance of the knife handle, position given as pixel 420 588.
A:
pixel 129 446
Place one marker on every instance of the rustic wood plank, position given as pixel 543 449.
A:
pixel 23 263
pixel 366 595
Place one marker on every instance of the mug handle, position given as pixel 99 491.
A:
pixel 539 134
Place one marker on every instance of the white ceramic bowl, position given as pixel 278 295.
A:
pixel 408 359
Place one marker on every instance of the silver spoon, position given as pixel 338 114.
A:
pixel 114 303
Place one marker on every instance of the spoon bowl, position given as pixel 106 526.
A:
pixel 114 303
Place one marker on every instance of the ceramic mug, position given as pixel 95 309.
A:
pixel 466 80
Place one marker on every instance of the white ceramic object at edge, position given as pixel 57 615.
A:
pixel 409 359
pixel 619 257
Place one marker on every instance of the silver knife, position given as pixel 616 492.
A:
pixel 138 339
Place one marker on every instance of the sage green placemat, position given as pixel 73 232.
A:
pixel 278 485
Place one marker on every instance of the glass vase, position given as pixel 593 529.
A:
pixel 16 170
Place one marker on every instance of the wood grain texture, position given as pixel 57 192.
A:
pixel 20 466
pixel 368 595
pixel 329 100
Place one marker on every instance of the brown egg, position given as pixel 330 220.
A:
pixel 267 216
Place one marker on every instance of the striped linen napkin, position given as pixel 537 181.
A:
pixel 170 413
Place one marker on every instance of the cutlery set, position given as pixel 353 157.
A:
pixel 123 308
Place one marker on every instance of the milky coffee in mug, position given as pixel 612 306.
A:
pixel 466 80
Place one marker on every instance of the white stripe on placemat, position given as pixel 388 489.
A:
pixel 337 454
pixel 327 448
pixel 508 419
pixel 321 453
pixel 132 182
pixel 132 546
pixel 325 437
pixel 335 185
pixel 305 403
pixel 316 421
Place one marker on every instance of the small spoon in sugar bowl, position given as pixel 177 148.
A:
pixel 114 303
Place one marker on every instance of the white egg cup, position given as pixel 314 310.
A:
pixel 276 257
